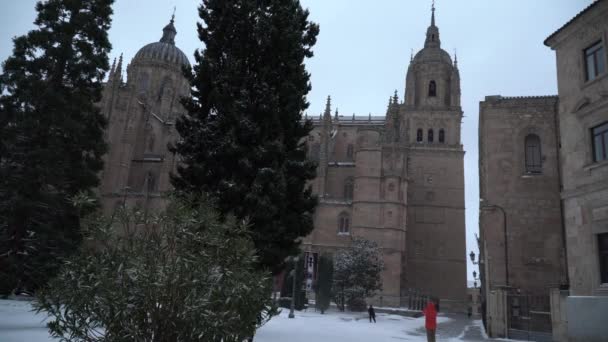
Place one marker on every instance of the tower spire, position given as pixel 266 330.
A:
pixel 433 14
pixel 432 33
pixel 169 31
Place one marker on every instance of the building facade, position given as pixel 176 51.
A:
pixel 582 78
pixel 141 113
pixel 520 222
pixel 399 180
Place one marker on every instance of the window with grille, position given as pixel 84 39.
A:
pixel 419 135
pixel 430 135
pixel 344 224
pixel 441 136
pixel 595 61
pixel 600 142
pixel 533 154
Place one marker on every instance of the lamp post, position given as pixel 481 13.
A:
pixel 504 226
pixel 293 289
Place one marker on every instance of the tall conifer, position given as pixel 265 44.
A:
pixel 51 136
pixel 243 138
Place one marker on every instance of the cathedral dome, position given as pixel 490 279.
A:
pixel 164 50
pixel 432 55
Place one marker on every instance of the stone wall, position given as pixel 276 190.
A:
pixel 529 197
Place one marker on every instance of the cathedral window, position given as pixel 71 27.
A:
pixel 143 83
pixel 533 154
pixel 419 135
pixel 600 142
pixel 441 136
pixel 350 151
pixel 432 89
pixel 151 182
pixel 430 135
pixel 315 151
pixel 595 63
pixel 349 185
pixel 344 224
pixel 602 240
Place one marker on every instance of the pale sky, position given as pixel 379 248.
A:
pixel 364 48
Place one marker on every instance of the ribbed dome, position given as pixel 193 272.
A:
pixel 163 50
pixel 430 55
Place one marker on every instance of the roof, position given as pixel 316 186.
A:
pixel 581 13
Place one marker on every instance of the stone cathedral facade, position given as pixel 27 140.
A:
pixel 141 114
pixel 398 179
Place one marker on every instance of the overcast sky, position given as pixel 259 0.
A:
pixel 364 48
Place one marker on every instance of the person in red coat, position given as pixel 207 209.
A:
pixel 430 318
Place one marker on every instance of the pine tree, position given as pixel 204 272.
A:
pixel 323 287
pixel 51 136
pixel 242 141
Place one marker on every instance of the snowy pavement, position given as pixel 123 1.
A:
pixel 352 327
pixel 19 324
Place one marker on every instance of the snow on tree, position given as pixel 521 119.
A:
pixel 181 276
pixel 356 273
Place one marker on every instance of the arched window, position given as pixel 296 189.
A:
pixel 430 135
pixel 344 224
pixel 315 150
pixel 432 89
pixel 165 84
pixel 151 182
pixel 350 152
pixel 441 136
pixel 144 80
pixel 534 162
pixel 419 135
pixel 349 185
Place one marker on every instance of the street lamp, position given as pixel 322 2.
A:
pixel 475 279
pixel 293 290
pixel 472 256
pixel 504 225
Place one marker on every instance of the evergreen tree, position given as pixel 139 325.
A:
pixel 357 273
pixel 51 136
pixel 323 287
pixel 287 289
pixel 243 140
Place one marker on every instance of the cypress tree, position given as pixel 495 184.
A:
pixel 242 141
pixel 51 136
pixel 323 287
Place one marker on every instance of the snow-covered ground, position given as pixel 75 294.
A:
pixel 19 324
pixel 342 327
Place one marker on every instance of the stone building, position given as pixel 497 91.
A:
pixel 399 180
pixel 582 78
pixel 520 220
pixel 141 114
pixel 544 164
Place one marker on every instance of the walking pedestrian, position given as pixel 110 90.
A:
pixel 372 314
pixel 430 321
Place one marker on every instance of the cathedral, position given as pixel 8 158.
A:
pixel 398 179
pixel 141 113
